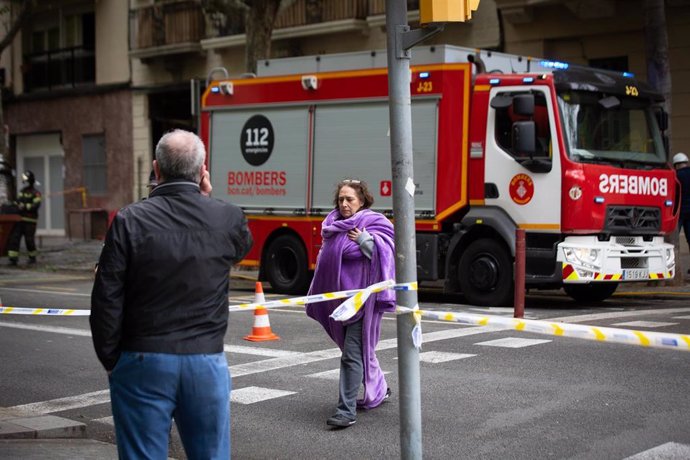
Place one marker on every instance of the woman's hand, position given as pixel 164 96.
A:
pixel 354 233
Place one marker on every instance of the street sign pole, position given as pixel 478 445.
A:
pixel 403 209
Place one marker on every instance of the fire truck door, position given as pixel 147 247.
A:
pixel 526 184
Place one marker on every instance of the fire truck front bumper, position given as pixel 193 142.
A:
pixel 585 259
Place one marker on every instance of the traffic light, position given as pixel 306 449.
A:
pixel 446 10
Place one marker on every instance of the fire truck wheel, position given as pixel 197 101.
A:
pixel 594 292
pixel 286 265
pixel 485 274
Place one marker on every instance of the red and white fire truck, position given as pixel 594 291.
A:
pixel 575 156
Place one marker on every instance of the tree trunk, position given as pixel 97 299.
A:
pixel 259 21
pixel 15 24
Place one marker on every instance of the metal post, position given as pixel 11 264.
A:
pixel 519 309
pixel 403 208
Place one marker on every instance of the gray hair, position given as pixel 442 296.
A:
pixel 180 155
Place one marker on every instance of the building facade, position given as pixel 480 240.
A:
pixel 66 90
pixel 90 85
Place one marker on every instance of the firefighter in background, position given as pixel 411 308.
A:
pixel 28 201
pixel 681 163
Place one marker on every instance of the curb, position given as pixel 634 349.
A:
pixel 17 426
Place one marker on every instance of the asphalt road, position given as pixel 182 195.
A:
pixel 486 393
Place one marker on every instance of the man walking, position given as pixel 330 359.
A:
pixel 159 308
pixel 28 201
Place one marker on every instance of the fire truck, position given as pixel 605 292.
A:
pixel 575 156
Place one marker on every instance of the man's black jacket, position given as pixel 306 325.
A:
pixel 163 275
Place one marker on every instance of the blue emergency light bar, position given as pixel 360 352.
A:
pixel 215 89
pixel 424 74
pixel 554 65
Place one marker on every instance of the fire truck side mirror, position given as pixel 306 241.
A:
pixel 523 104
pixel 524 138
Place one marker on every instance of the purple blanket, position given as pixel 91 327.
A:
pixel 342 266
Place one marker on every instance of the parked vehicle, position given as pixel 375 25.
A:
pixel 575 156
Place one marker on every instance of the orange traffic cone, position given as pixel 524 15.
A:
pixel 261 331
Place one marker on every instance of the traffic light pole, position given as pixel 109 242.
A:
pixel 403 209
pixel 434 13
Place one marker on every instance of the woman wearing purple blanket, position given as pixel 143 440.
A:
pixel 358 250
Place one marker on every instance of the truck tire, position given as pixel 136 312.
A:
pixel 593 292
pixel 287 268
pixel 485 274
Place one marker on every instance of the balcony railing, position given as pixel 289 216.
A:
pixel 62 68
pixel 303 13
pixel 175 26
pixel 166 24
pixel 377 7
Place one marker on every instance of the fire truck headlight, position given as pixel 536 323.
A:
pixel 588 257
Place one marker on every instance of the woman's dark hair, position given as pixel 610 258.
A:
pixel 361 189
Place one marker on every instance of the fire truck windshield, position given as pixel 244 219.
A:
pixel 611 129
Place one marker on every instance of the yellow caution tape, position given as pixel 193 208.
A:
pixel 295 301
pixel 579 331
pixel 43 311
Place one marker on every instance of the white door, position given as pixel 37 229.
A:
pixel 528 188
pixel 43 155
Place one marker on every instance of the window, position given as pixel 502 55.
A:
pixel 95 166
pixel 523 116
pixel 60 49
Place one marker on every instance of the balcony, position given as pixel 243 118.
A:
pixel 166 29
pixel 301 19
pixel 377 12
pixel 176 27
pixel 58 69
pixel 378 7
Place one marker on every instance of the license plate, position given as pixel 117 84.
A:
pixel 635 274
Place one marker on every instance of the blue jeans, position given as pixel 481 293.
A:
pixel 148 389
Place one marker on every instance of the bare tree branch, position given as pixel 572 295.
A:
pixel 24 14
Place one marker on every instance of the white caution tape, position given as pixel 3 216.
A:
pixel 389 284
pixel 297 301
pixel 579 331
pixel 43 311
pixel 351 306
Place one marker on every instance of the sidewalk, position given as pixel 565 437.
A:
pixel 76 257
pixel 48 437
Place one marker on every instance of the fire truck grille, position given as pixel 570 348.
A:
pixel 632 262
pixel 625 240
pixel 633 219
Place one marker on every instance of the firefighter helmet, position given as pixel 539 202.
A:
pixel 29 177
pixel 680 158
